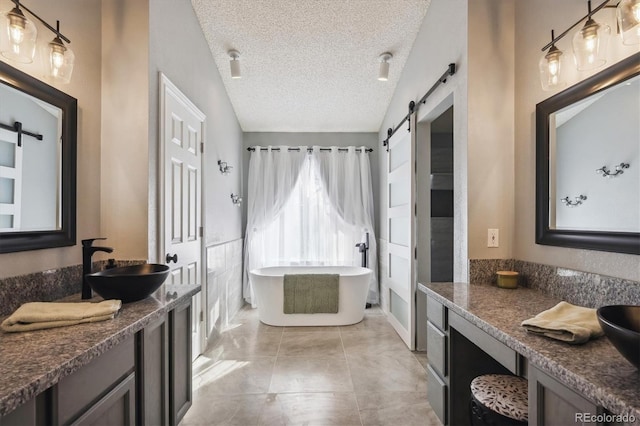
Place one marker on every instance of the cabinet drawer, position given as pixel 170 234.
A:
pixel 492 346
pixel 436 313
pixel 437 394
pixel 437 349
pixel 76 393
pixel 117 408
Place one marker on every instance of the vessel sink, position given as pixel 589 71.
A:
pixel 621 324
pixel 128 283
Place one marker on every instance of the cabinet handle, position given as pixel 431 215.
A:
pixel 173 258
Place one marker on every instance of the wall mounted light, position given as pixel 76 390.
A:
pixel 570 203
pixel 590 43
pixel 383 73
pixel 605 172
pixel 234 63
pixel 19 38
pixel 224 167
pixel 628 16
pixel 550 66
pixel 236 199
pixel 19 42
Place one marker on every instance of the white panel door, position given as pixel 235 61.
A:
pixel 401 272
pixel 182 129
pixel 10 181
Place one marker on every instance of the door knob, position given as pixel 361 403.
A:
pixel 173 258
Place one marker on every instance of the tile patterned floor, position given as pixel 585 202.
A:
pixel 361 374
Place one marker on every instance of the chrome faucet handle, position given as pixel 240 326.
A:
pixel 89 241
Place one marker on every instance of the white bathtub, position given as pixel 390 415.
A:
pixel 269 295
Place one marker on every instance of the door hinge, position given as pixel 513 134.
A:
pixel 415 253
pixel 201 146
pixel 415 209
pixel 201 316
pixel 201 231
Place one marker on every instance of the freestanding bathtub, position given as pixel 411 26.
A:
pixel 269 294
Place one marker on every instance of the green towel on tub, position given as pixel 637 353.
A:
pixel 311 293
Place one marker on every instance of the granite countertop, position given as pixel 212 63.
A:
pixel 595 369
pixel 31 362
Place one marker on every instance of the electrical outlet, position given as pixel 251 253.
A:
pixel 493 239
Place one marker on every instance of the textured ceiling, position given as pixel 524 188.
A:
pixel 310 65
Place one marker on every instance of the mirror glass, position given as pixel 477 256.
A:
pixel 593 165
pixel 588 162
pixel 38 128
pixel 30 172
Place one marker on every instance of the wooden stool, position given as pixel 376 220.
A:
pixel 498 399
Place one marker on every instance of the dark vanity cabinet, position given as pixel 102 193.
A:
pixel 180 391
pixel 153 373
pixel 459 350
pixel 164 368
pixel 437 370
pixel 143 380
pixel 555 404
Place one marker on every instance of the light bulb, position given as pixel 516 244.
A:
pixel 57 53
pixel 590 34
pixel 17 24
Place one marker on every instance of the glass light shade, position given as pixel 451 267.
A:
pixel 551 69
pixel 61 60
pixel 383 74
pixel 235 68
pixel 18 40
pixel 590 45
pixel 628 15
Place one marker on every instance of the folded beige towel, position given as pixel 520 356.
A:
pixel 566 322
pixel 41 315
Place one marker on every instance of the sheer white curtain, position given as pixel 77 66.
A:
pixel 272 177
pixel 320 210
pixel 346 178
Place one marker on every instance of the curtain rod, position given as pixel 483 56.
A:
pixel 451 70
pixel 251 148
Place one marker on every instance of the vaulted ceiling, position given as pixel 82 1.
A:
pixel 310 65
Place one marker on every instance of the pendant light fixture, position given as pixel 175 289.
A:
pixel 18 36
pixel 383 73
pixel 628 15
pixel 590 43
pixel 18 42
pixel 61 59
pixel 234 64
pixel 551 67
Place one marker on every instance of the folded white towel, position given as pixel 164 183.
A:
pixel 41 315
pixel 566 322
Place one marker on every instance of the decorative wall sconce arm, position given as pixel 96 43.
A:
pixel 578 200
pixel 605 172
pixel 224 167
pixel 236 199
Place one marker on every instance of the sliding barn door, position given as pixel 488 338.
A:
pixel 401 271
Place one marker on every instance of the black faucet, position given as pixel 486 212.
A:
pixel 362 248
pixel 87 251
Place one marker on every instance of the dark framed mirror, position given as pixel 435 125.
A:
pixel 588 163
pixel 38 131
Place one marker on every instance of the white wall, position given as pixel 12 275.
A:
pixel 369 140
pixel 125 135
pixel 442 40
pixel 177 48
pixel 534 21
pixel 81 22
